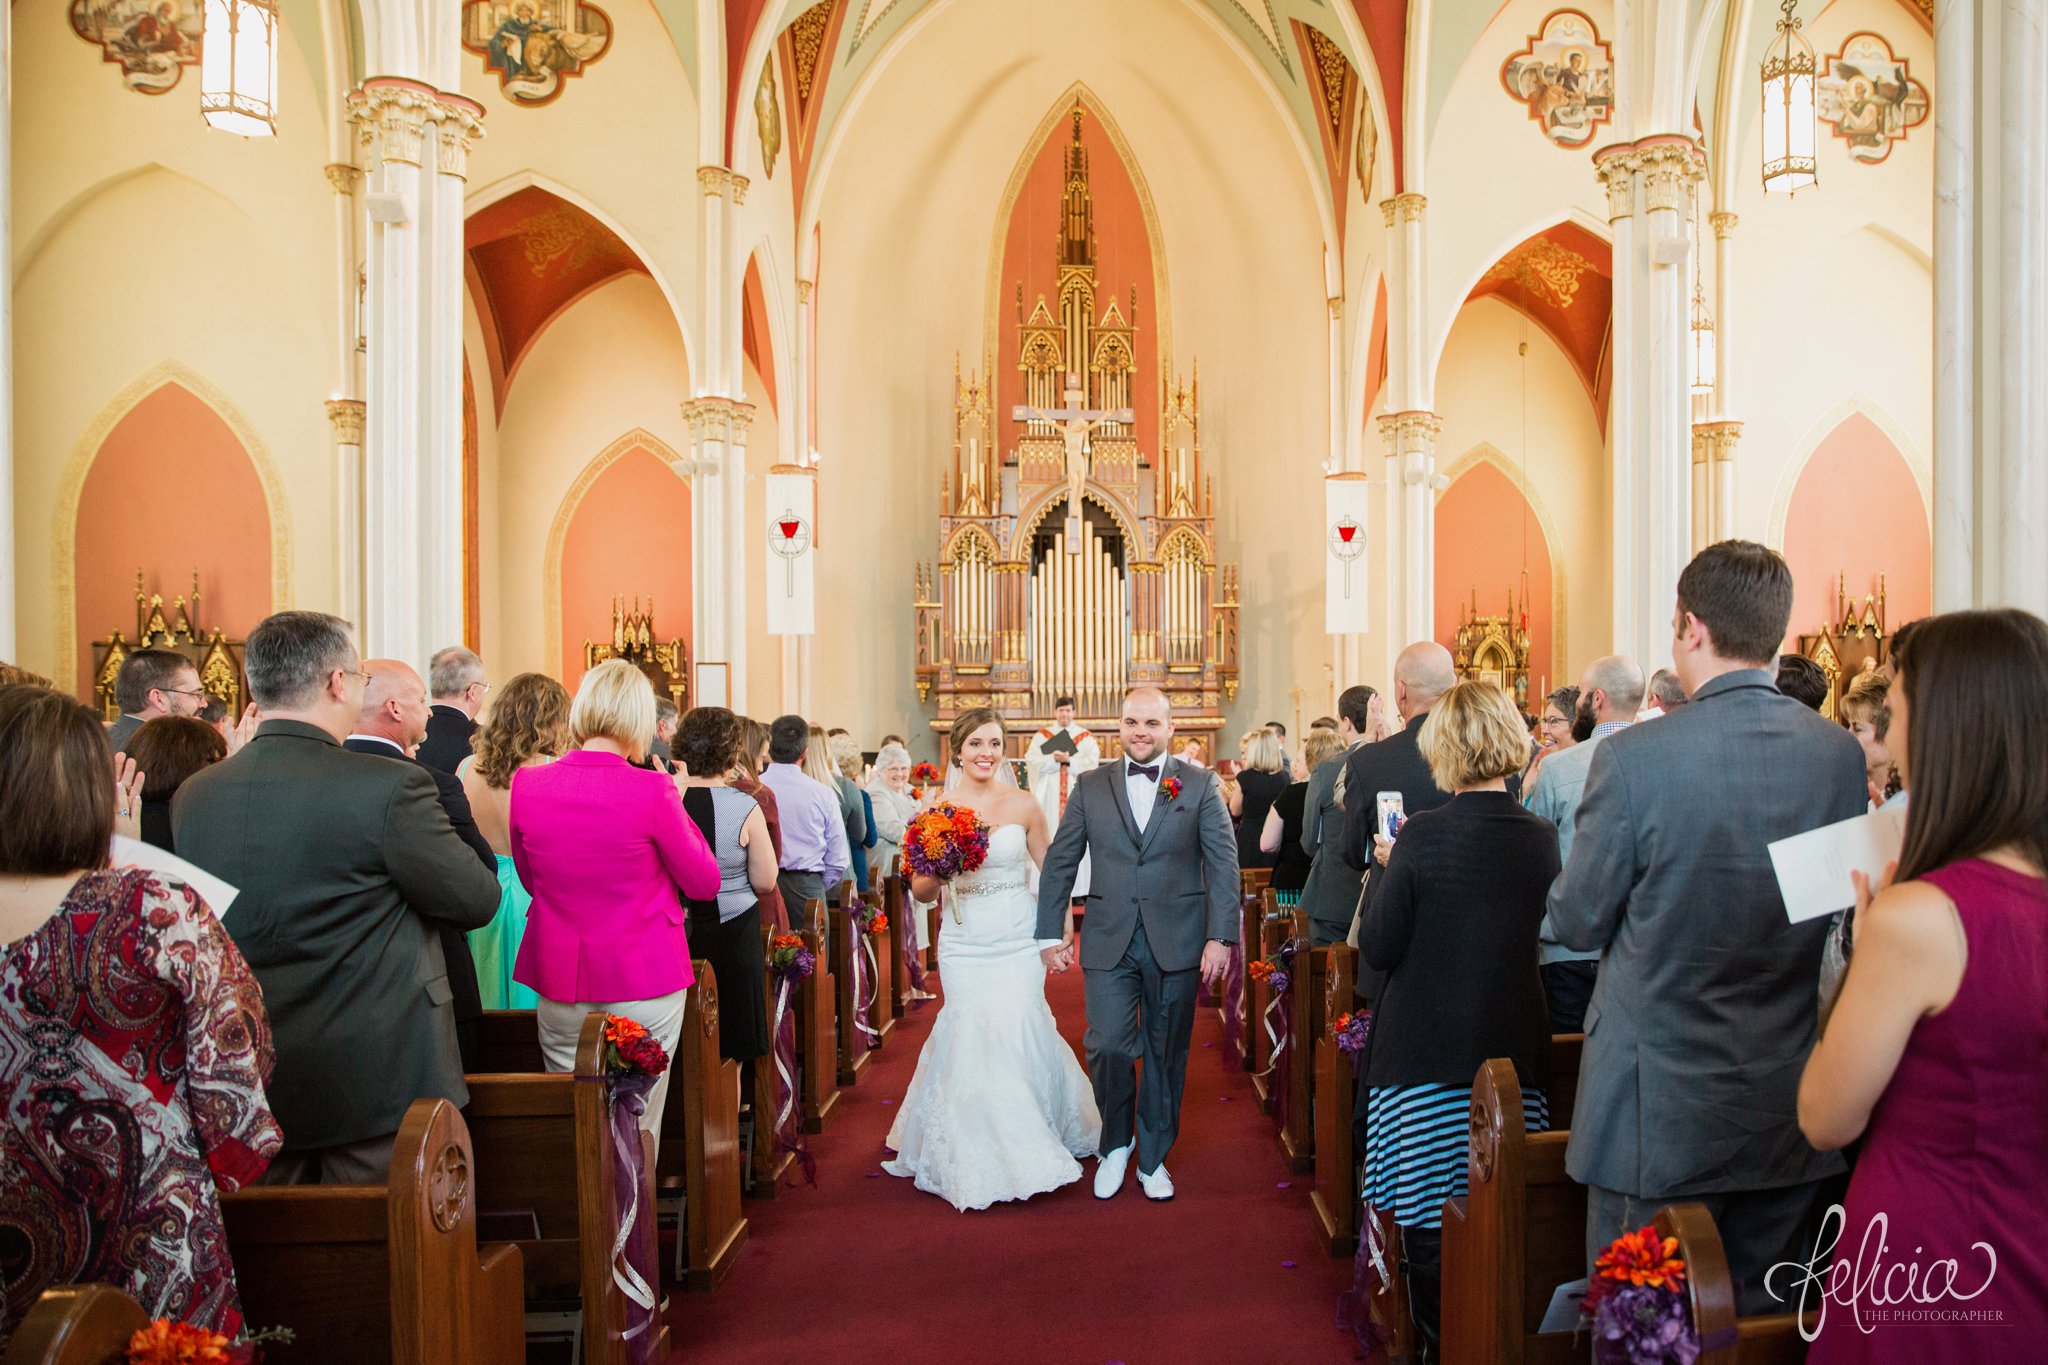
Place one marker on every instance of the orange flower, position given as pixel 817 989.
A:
pixel 785 941
pixel 879 924
pixel 619 1030
pixel 1259 970
pixel 164 1342
pixel 1643 1258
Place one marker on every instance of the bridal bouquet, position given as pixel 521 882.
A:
pixel 945 841
pixel 1637 1303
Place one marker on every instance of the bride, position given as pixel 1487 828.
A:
pixel 999 1108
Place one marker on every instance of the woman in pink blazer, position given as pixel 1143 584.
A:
pixel 608 855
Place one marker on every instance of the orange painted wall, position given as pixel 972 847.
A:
pixel 1481 522
pixel 170 490
pixel 630 534
pixel 1857 511
pixel 1123 258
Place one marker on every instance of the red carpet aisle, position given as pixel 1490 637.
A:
pixel 864 1270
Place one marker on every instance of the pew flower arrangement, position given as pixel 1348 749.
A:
pixel 1348 1030
pixel 164 1342
pixel 870 919
pixel 1637 1303
pixel 1273 970
pixel 629 1049
pixel 945 841
pixel 789 959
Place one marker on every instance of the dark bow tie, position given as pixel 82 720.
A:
pixel 1150 774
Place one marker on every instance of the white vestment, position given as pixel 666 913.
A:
pixel 1052 784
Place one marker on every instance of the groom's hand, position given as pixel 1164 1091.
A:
pixel 1215 962
pixel 1054 957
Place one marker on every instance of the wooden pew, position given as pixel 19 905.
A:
pixel 366 1274
pixel 1304 1009
pixel 854 1052
pixel 1334 1201
pixel 1273 927
pixel 545 1160
pixel 896 905
pixel 508 1041
pixel 769 1165
pixel 817 1026
pixel 1725 1339
pixel 1517 1234
pixel 77 1324
pixel 1252 884
pixel 699 1152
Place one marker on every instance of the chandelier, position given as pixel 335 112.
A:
pixel 1791 132
pixel 238 67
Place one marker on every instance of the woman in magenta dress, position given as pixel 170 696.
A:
pixel 1934 1055
pixel 133 1044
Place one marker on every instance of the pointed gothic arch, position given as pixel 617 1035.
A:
pixel 639 439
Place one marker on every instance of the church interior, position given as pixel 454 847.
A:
pixel 881 360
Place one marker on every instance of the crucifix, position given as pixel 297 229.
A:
pixel 1074 422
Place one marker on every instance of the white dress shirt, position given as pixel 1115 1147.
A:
pixel 1143 791
pixel 392 744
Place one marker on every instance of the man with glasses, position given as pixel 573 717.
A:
pixel 152 683
pixel 456 676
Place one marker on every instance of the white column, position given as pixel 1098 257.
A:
pixel 345 405
pixel 346 415
pixel 1411 492
pixel 1726 432
pixel 1955 304
pixel 12 541
pixel 2021 450
pixel 796 414
pixel 716 470
pixel 416 140
pixel 1409 430
pixel 1616 168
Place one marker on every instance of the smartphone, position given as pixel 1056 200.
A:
pixel 1391 815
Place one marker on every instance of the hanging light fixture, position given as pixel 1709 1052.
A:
pixel 238 67
pixel 1703 354
pixel 1791 130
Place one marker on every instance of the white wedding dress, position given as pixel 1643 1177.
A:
pixel 999 1108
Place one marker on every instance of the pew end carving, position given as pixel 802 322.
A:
pixel 1725 1338
pixel 77 1324
pixel 699 1153
pixel 1334 1201
pixel 817 1026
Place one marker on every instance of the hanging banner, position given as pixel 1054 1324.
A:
pixel 1346 504
pixel 791 504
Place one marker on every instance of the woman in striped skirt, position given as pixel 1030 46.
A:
pixel 1454 922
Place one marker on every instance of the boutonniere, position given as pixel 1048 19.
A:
pixel 1169 789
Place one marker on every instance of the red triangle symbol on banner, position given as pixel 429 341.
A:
pixel 789 529
pixel 1344 533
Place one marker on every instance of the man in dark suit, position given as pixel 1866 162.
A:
pixel 1423 672
pixel 346 865
pixel 1331 895
pixel 457 676
pixel 1704 1009
pixel 152 683
pixel 394 722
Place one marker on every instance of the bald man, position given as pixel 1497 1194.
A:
pixel 1423 672
pixel 393 723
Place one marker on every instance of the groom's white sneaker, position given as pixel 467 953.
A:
pixel 1109 1170
pixel 1156 1184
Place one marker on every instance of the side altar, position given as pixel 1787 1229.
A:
pixel 1071 561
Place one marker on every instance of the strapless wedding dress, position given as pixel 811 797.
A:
pixel 999 1107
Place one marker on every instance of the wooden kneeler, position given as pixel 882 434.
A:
pixel 817 1026
pixel 1334 1201
pixel 369 1274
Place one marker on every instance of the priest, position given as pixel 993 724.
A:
pixel 1058 755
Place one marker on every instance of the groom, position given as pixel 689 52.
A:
pixel 1162 899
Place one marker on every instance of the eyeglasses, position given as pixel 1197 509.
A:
pixel 184 691
pixel 484 685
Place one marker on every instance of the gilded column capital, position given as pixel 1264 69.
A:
pixel 721 183
pixel 1388 210
pixel 1670 168
pixel 1337 308
pixel 1411 206
pixel 391 116
pixel 346 415
pixel 461 123
pixel 1405 432
pixel 1616 166
pixel 715 419
pixel 803 291
pixel 343 177
pixel 1715 442
pixel 1723 223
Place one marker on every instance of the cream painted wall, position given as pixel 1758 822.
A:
pixel 142 237
pixel 489 561
pixel 764 651
pixel 614 361
pixel 621 141
pixel 1562 467
pixel 909 218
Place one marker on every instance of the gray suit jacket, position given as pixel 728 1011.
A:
pixel 123 730
pixel 1331 894
pixel 347 866
pixel 1705 1009
pixel 1179 877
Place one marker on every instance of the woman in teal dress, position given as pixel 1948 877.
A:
pixel 526 723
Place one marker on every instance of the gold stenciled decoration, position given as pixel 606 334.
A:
pixel 768 115
pixel 563 236
pixel 1335 73
pixel 667 665
pixel 807 45
pixel 1544 267
pixel 217 659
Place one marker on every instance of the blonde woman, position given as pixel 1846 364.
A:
pixel 1280 837
pixel 526 723
pixel 1258 785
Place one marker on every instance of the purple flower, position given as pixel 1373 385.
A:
pixel 1277 983
pixel 1643 1325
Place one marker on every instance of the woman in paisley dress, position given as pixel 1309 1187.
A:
pixel 133 1044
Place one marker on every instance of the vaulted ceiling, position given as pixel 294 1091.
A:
pixel 1561 279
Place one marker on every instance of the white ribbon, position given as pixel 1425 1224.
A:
pixel 1273 1037
pixel 865 981
pixel 782 1072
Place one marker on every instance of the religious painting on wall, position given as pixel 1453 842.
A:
pixel 153 41
pixel 535 45
pixel 1564 77
pixel 1868 98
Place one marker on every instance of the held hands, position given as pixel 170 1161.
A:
pixel 1215 962
pixel 1058 958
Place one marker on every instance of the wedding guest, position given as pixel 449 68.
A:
pixel 1867 713
pixel 725 928
pixel 1803 680
pixel 1554 734
pixel 152 683
pixel 747 767
pixel 1452 921
pixel 14 675
pixel 1330 896
pixel 1280 838
pixel 456 677
pixel 1707 996
pixel 818 766
pixel 846 758
pixel 609 856
pixel 525 725
pixel 894 805
pixel 814 852
pixel 139 1044
pixel 1933 1053
pixel 167 751
pixel 1666 694
pixel 347 866
pixel 666 718
pixel 392 725
pixel 1194 752
pixel 1258 785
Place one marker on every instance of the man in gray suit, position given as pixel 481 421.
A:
pixel 1704 1011
pixel 1162 900
pixel 347 866
pixel 1330 898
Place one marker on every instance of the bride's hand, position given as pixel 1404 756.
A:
pixel 1054 958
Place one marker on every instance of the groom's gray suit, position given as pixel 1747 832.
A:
pixel 1163 882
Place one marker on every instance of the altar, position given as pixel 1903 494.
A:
pixel 1071 561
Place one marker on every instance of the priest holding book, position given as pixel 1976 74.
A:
pixel 1058 755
